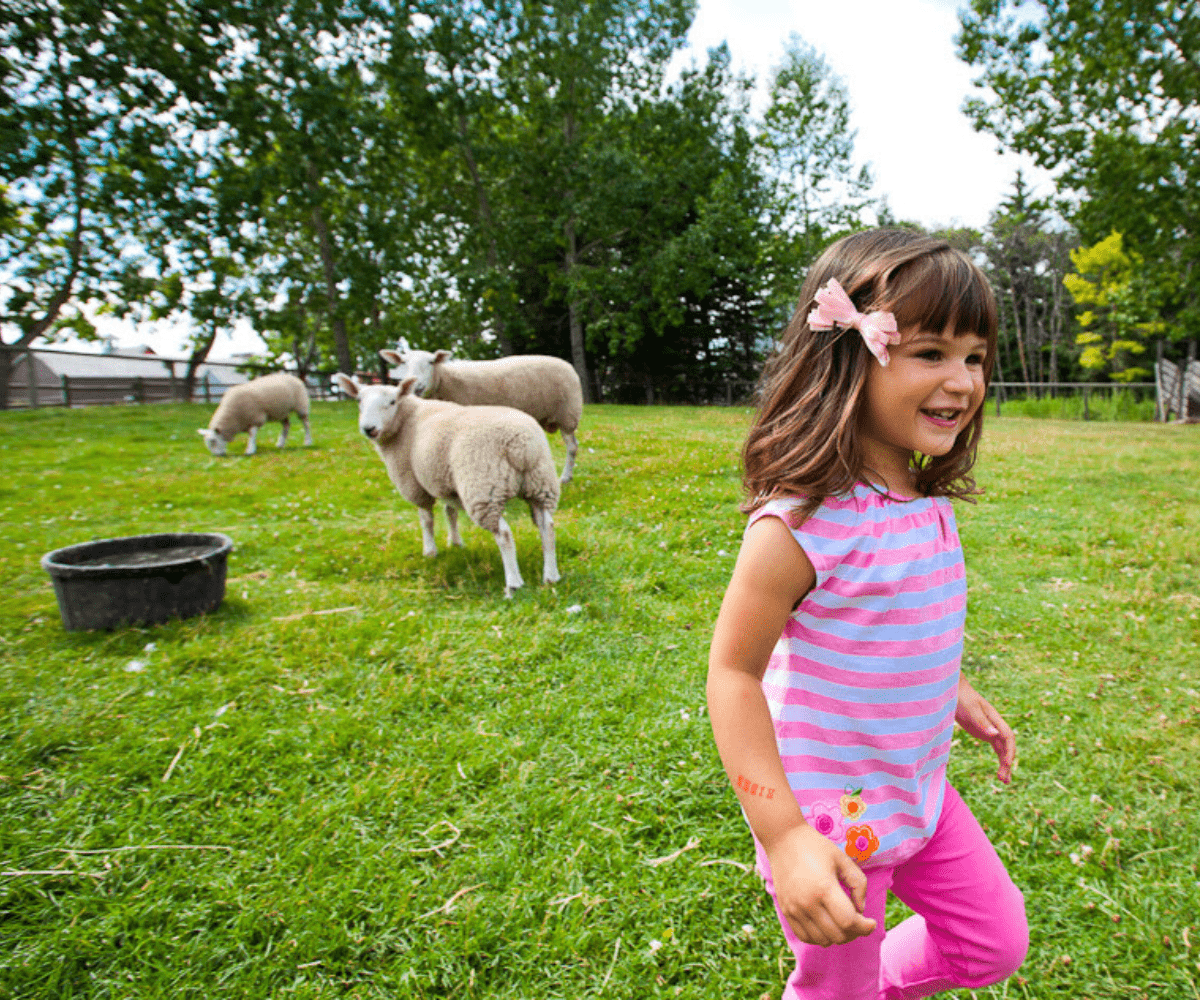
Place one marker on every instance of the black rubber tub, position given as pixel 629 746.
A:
pixel 138 580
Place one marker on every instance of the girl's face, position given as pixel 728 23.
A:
pixel 921 401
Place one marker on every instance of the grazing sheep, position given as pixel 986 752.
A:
pixel 248 406
pixel 475 458
pixel 546 388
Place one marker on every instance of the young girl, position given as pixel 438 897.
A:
pixel 834 681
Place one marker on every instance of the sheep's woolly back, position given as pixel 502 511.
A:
pixel 253 403
pixel 480 456
pixel 546 388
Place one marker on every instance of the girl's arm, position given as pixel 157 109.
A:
pixel 771 576
pixel 976 715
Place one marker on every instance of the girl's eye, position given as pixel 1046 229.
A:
pixel 932 354
pixel 975 359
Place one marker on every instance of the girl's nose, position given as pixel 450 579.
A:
pixel 959 379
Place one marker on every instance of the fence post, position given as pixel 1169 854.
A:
pixel 997 389
pixel 139 389
pixel 1086 412
pixel 1181 411
pixel 33 386
pixel 66 391
pixel 1160 413
pixel 207 396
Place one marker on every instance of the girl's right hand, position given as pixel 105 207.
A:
pixel 809 872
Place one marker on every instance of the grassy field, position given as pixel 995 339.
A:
pixel 435 792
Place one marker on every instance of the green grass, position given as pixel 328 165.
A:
pixel 1102 405
pixel 441 793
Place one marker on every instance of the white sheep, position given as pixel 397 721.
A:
pixel 248 406
pixel 474 458
pixel 546 388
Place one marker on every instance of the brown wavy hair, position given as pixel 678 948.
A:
pixel 804 440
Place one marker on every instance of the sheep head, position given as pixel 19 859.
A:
pixel 378 409
pixel 418 365
pixel 217 445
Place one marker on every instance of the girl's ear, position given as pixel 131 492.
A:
pixel 347 384
pixel 406 386
pixel 441 356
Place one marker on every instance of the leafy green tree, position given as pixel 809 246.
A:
pixel 1107 94
pixel 1119 311
pixel 808 148
pixel 82 96
pixel 1026 256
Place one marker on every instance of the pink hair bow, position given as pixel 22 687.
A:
pixel 878 329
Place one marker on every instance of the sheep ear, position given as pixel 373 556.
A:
pixel 347 384
pixel 202 431
pixel 392 357
pixel 441 356
pixel 406 386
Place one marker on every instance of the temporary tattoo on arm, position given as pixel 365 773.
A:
pixel 753 788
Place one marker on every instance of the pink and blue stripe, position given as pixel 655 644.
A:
pixel 863 682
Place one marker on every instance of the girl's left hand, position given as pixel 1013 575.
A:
pixel 976 715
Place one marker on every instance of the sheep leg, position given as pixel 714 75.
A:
pixel 252 447
pixel 508 555
pixel 284 424
pixel 572 449
pixel 545 525
pixel 452 523
pixel 307 430
pixel 428 545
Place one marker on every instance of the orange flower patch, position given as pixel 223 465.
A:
pixel 852 806
pixel 861 842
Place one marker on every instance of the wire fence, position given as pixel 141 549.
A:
pixel 46 377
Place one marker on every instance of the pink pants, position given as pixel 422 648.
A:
pixel 968 928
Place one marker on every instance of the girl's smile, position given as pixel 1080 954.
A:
pixel 921 401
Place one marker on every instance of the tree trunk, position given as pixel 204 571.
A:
pixel 486 220
pixel 578 352
pixel 53 308
pixel 1001 352
pixel 198 356
pixel 341 342
pixel 1012 293
pixel 1031 343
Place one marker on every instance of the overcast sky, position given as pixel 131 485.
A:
pixel 906 86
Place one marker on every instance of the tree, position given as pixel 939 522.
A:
pixel 1119 308
pixel 1108 94
pixel 1024 251
pixel 808 147
pixel 81 91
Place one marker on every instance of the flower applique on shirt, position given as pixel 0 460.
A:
pixel 861 842
pixel 852 804
pixel 826 819
pixel 830 820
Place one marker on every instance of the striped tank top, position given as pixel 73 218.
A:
pixel 863 683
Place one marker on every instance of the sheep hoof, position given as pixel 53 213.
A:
pixel 551 579
pixel 429 553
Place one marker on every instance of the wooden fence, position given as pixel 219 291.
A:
pixel 36 379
